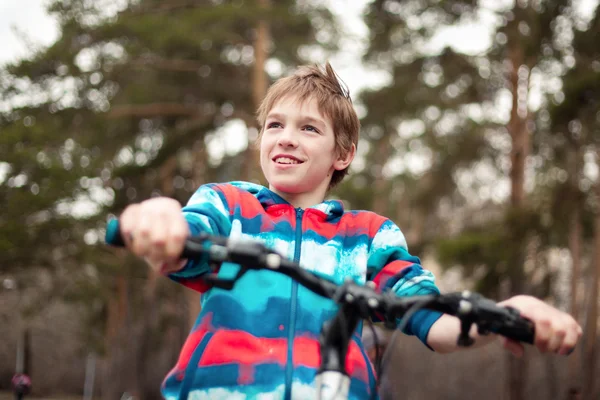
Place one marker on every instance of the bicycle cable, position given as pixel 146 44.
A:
pixel 380 367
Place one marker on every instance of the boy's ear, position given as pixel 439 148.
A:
pixel 344 160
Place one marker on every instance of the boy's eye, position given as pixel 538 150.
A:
pixel 311 128
pixel 272 125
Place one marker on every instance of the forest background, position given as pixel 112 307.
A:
pixel 480 139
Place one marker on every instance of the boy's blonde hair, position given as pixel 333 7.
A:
pixel 333 99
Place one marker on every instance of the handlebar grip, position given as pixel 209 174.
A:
pixel 113 234
pixel 520 328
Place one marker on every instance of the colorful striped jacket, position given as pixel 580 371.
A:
pixel 260 339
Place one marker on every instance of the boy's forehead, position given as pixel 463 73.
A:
pixel 294 104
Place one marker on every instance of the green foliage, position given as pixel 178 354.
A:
pixel 442 106
pixel 488 251
pixel 574 134
pixel 121 108
pixel 472 249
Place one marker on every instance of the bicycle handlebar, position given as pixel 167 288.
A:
pixel 356 301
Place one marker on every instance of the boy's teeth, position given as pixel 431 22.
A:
pixel 285 160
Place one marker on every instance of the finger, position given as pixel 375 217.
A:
pixel 557 336
pixel 142 234
pixel 127 221
pixel 158 235
pixel 178 232
pixel 543 332
pixel 573 333
pixel 515 348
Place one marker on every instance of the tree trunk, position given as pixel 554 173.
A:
pixel 575 235
pixel 167 175
pixel 518 127
pixel 144 388
pixel 591 333
pixel 145 328
pixel 261 52
pixel 116 316
pixel 519 132
pixel 117 307
pixel 251 164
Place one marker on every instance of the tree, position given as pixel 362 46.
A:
pixel 444 105
pixel 115 113
pixel 575 119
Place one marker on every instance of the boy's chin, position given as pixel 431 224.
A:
pixel 283 186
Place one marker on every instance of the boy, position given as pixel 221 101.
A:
pixel 260 340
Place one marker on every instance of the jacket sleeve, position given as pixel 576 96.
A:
pixel 391 267
pixel 206 211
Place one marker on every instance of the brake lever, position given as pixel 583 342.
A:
pixel 467 314
pixel 464 339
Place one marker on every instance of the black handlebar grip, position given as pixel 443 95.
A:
pixel 519 328
pixel 114 237
pixel 113 234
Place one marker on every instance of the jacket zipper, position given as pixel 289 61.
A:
pixel 293 307
pixel 190 369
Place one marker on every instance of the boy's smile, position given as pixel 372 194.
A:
pixel 297 151
pixel 283 160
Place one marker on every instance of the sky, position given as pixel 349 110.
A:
pixel 28 17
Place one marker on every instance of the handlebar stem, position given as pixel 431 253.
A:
pixel 335 339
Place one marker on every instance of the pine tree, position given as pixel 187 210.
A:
pixel 444 105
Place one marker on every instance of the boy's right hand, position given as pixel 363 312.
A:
pixel 156 230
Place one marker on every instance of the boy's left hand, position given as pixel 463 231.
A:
pixel 555 331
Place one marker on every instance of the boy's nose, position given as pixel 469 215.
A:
pixel 288 138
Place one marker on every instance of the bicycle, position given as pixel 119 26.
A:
pixel 356 302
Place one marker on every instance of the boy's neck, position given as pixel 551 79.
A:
pixel 301 200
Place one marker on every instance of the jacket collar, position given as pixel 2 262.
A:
pixel 267 198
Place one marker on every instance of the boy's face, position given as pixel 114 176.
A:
pixel 297 150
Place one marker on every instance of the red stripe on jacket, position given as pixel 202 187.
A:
pixel 389 271
pixel 239 347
